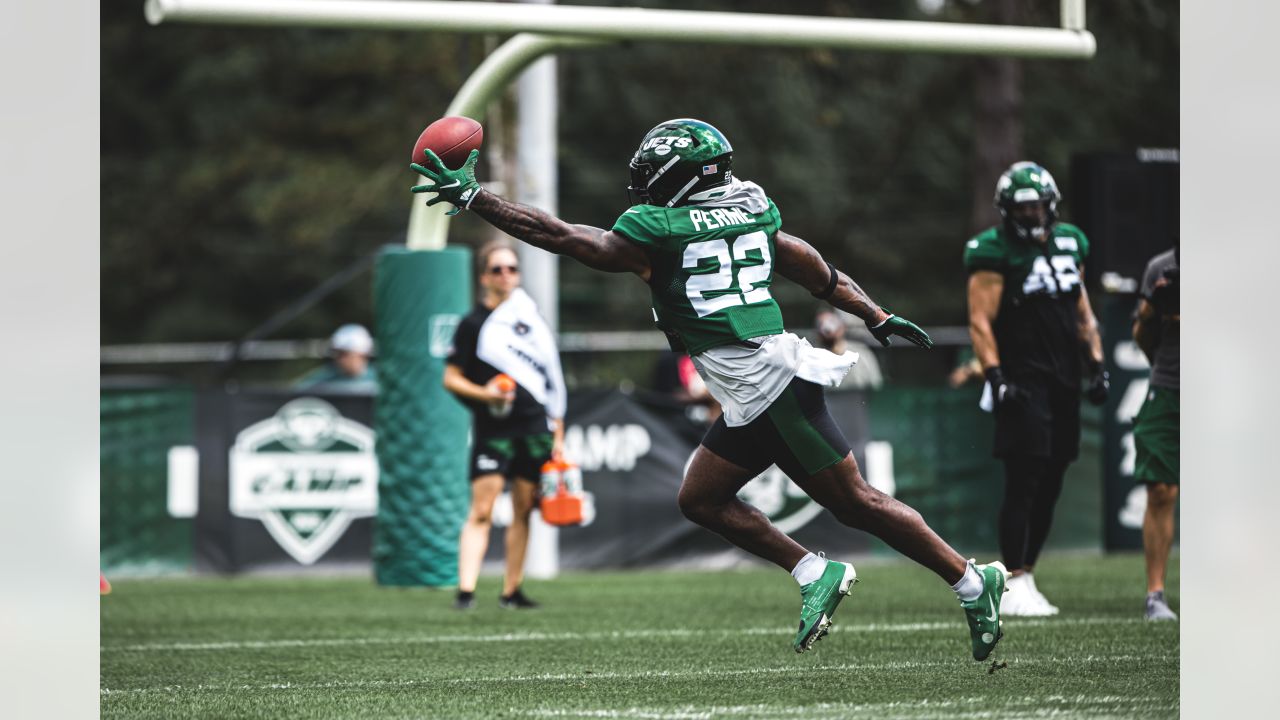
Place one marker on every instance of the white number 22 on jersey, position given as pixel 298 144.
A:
pixel 722 279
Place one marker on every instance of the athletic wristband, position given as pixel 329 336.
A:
pixel 831 284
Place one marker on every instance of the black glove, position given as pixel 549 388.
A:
pixel 1003 392
pixel 1099 384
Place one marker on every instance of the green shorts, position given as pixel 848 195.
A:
pixel 796 433
pixel 1155 437
pixel 511 457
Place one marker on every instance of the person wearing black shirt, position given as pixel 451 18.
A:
pixel 513 434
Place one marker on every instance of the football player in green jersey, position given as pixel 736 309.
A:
pixel 1036 337
pixel 708 244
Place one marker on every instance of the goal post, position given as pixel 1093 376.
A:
pixel 544 29
pixel 1071 41
pixel 539 30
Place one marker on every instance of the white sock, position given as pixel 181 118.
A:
pixel 968 587
pixel 809 569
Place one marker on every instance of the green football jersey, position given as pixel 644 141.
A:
pixel 1036 327
pixel 711 271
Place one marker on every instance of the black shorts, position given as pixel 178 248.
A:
pixel 511 457
pixel 796 433
pixel 1044 422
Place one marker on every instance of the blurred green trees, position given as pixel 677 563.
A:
pixel 242 166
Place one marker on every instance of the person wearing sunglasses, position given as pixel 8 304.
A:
pixel 505 368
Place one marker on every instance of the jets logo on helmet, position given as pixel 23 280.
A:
pixel 670 166
pixel 1027 182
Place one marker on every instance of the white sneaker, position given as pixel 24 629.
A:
pixel 1020 599
pixel 1040 599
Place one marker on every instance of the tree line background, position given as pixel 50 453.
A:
pixel 241 167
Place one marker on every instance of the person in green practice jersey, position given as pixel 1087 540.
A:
pixel 1036 338
pixel 708 246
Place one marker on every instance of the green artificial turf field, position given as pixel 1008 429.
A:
pixel 680 645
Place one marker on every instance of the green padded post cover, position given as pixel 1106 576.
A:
pixel 423 493
pixel 137 426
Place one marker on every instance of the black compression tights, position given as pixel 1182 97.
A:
pixel 1031 489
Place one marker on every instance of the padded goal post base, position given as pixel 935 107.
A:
pixel 423 493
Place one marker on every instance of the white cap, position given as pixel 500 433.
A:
pixel 352 338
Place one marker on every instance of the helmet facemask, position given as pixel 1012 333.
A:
pixel 1024 183
pixel 1027 228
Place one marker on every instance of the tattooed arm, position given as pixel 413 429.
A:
pixel 596 248
pixel 799 262
pixel 591 246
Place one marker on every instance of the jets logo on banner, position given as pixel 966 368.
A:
pixel 774 494
pixel 306 473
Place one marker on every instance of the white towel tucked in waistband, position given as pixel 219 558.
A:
pixel 746 380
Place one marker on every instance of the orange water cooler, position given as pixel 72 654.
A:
pixel 561 492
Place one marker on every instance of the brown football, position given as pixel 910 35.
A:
pixel 451 138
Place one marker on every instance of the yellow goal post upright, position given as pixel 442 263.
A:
pixel 421 450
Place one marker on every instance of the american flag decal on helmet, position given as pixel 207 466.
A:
pixel 709 169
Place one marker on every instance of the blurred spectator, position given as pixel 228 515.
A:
pixel 832 335
pixel 675 375
pixel 968 370
pixel 348 367
pixel 1156 330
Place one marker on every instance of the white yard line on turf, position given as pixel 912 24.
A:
pixel 579 677
pixel 580 636
pixel 969 707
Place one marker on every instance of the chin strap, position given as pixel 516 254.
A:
pixel 831 284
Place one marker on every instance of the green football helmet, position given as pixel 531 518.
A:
pixel 1027 182
pixel 679 159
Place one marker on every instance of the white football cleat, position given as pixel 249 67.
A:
pixel 1040 599
pixel 1020 599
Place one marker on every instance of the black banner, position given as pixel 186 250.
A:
pixel 1124 502
pixel 286 479
pixel 633 450
pixel 290 479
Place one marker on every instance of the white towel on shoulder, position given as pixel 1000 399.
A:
pixel 517 341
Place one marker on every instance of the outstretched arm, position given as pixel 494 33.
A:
pixel 799 262
pixel 592 246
